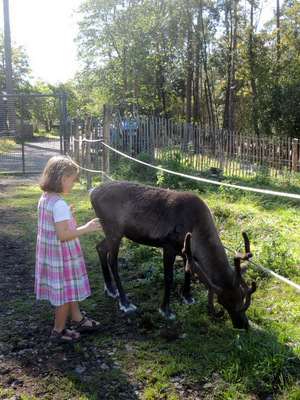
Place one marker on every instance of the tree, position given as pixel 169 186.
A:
pixel 44 110
pixel 196 60
pixel 20 74
pixel 8 69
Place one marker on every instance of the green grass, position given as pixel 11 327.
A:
pixel 6 145
pixel 196 352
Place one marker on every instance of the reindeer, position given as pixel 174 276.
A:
pixel 182 225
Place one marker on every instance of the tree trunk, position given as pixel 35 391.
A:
pixel 278 30
pixel 207 84
pixel 189 79
pixel 231 28
pixel 8 69
pixel 3 117
pixel 196 93
pixel 232 73
pixel 229 52
pixel 189 63
pixel 252 73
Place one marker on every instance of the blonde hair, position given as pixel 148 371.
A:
pixel 56 168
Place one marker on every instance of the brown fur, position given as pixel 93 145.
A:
pixel 162 218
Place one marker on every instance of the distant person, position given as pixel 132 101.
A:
pixel 60 272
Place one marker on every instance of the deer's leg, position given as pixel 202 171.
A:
pixel 169 258
pixel 110 288
pixel 186 291
pixel 113 250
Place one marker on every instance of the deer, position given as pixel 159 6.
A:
pixel 182 224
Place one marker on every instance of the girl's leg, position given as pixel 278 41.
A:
pixel 77 316
pixel 75 311
pixel 61 315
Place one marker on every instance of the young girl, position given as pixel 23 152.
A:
pixel 60 273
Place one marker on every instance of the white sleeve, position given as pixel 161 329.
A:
pixel 61 211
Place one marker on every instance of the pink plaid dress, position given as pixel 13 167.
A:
pixel 60 273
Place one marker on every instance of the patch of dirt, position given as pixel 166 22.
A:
pixel 19 180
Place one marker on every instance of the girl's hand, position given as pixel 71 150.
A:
pixel 93 225
pixel 64 233
pixel 71 209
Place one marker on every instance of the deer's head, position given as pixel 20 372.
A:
pixel 234 294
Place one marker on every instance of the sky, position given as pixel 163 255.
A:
pixel 47 28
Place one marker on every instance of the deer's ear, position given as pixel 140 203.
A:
pixel 187 244
pixel 243 269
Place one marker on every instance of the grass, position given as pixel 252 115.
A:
pixel 195 356
pixel 6 145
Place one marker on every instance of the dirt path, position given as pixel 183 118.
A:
pixel 36 155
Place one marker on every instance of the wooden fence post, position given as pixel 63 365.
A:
pixel 76 140
pixel 106 138
pixel 295 155
pixel 152 139
pixel 88 152
pixel 67 144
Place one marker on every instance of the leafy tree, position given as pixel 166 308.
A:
pixel 20 75
pixel 21 69
pixel 44 110
pixel 197 60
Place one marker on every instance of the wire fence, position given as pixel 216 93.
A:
pixel 26 122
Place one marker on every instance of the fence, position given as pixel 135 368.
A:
pixel 22 148
pixel 229 153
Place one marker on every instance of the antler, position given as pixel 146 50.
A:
pixel 238 280
pixel 195 269
pixel 211 305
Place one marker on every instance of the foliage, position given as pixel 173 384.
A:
pixel 263 174
pixel 177 161
pixel 44 110
pixel 155 51
pixel 21 69
pixel 131 170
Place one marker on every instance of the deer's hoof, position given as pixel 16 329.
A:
pixel 169 315
pixel 188 300
pixel 111 293
pixel 128 309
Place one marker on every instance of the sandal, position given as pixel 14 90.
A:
pixel 80 327
pixel 70 337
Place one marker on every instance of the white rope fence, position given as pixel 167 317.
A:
pixel 268 270
pixel 89 170
pixel 290 195
pixel 196 178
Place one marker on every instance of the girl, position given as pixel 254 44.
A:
pixel 60 273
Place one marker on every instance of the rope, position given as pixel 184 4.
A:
pixel 268 270
pixel 88 140
pixel 89 170
pixel 196 178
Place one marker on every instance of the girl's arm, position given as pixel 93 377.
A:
pixel 64 233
